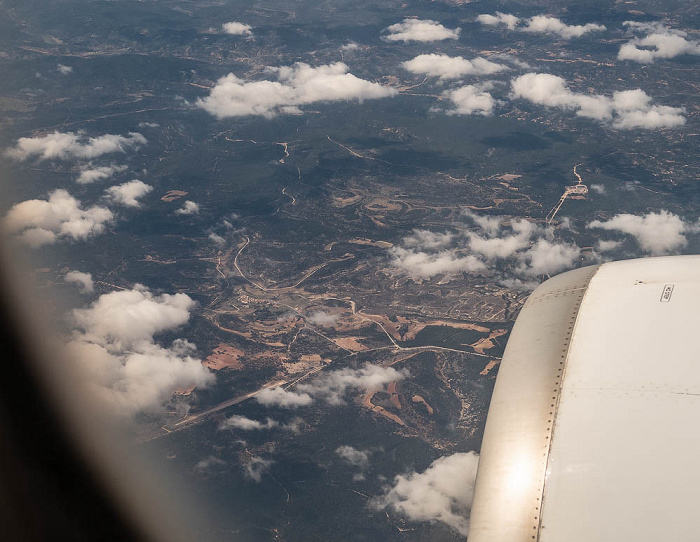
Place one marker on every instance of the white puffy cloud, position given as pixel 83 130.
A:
pixel 424 254
pixel 548 258
pixel 66 146
pixel 519 245
pixel 188 208
pixel 510 21
pixel 443 492
pixel 598 188
pixel 124 366
pixel 296 86
pixel 64 70
pixel 523 244
pixel 237 29
pixel 255 467
pixel 490 224
pixel 419 30
pixel 217 239
pixel 606 246
pixel 331 387
pixel 90 174
pixel 424 265
pixel 83 280
pixel 128 193
pixel 282 398
pixel 41 222
pixel 626 110
pixel 471 100
pixel 493 246
pixel 128 317
pixel 451 67
pixel 322 318
pixel 656 233
pixel 543 24
pixel 540 24
pixel 426 239
pixel 358 458
pixel 246 424
pixel 659 41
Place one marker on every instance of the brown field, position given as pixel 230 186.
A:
pixel 391 388
pixel 224 356
pixel 183 391
pixel 487 342
pixel 172 195
pixel 369 242
pixel 490 365
pixel 350 343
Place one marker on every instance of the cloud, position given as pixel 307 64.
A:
pixel 331 387
pixel 451 67
pixel 64 70
pixel 246 424
pixel 83 280
pixel 210 462
pixel 188 208
pixel 296 86
pixel 282 398
pixel 66 146
pixel 598 188
pixel 321 318
pixel 493 246
pixel 515 249
pixel 255 467
pixel 113 342
pixel 237 29
pixel 471 100
pixel 419 30
pixel 540 24
pixel 350 46
pixel 547 258
pixel 510 21
pixel 443 492
pixel 659 42
pixel 358 458
pixel 490 224
pixel 217 239
pixel 656 233
pixel 523 244
pixel 424 254
pixel 128 194
pixel 626 110
pixel 89 174
pixel 426 239
pixel 41 222
pixel 607 246
pixel 425 265
pixel 126 318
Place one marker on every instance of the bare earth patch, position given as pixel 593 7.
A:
pixel 224 356
pixel 172 195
